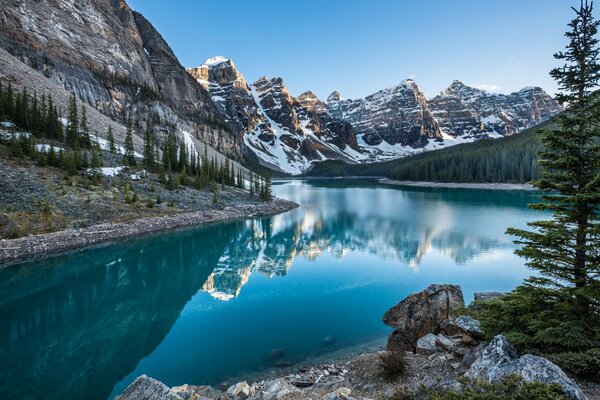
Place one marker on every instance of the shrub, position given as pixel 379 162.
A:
pixel 392 364
pixel 511 387
pixel 584 364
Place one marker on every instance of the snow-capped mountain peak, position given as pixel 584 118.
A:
pixel 215 60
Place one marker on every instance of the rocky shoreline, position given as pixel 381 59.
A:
pixel 36 246
pixel 452 185
pixel 441 351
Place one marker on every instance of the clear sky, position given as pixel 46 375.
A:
pixel 361 46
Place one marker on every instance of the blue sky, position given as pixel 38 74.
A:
pixel 361 46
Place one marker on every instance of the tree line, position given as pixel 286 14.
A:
pixel 176 163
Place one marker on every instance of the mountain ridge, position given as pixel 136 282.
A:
pixel 291 133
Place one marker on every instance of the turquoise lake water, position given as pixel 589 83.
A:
pixel 221 302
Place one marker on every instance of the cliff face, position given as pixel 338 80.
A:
pixel 114 60
pixel 399 115
pixel 285 132
pixel 463 110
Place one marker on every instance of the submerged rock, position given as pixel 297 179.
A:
pixel 421 313
pixel 499 359
pixel 145 388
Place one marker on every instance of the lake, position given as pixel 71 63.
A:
pixel 227 301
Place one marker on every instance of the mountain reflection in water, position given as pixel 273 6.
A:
pixel 73 326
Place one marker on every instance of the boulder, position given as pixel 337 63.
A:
pixel 485 296
pixel 427 344
pixel 145 388
pixel 193 392
pixel 452 346
pixel 470 325
pixel 499 359
pixel 241 390
pixel 277 388
pixel 421 313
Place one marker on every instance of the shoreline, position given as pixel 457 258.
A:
pixel 452 185
pixel 34 247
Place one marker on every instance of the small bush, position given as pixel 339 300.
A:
pixel 510 387
pixel 584 364
pixel 392 364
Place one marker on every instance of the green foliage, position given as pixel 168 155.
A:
pixel 129 157
pixel 112 147
pixel 392 365
pixel 512 159
pixel 511 387
pixel 584 364
pixel 532 316
pixel 559 305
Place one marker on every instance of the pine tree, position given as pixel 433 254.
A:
pixel 559 304
pixel 72 133
pixel 111 140
pixel 251 184
pixel 129 157
pixel 149 162
pixel 84 129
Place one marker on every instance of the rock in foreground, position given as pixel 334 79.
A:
pixel 499 359
pixel 145 388
pixel 421 313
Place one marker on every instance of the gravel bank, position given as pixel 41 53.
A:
pixel 30 247
pixel 450 185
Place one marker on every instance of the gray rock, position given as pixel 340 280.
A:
pixel 499 359
pixel 145 388
pixel 427 344
pixel 421 313
pixel 276 389
pixel 470 325
pixel 484 296
pixel 241 390
pixel 192 392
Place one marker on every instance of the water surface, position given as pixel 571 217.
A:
pixel 204 305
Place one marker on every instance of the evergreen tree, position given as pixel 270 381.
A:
pixel 72 132
pixel 128 157
pixel 111 140
pixel 251 184
pixel 96 162
pixel 149 162
pixel 86 140
pixel 559 305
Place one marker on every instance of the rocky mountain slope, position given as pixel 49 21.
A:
pixel 114 60
pixel 286 133
pixel 290 133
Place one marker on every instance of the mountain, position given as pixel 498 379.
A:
pixel 286 133
pixel 465 111
pixel 291 134
pixel 510 159
pixel 116 62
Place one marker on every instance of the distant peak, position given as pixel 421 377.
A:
pixel 215 60
pixel 335 96
pixel 308 95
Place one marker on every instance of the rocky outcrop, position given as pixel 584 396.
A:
pixel 398 115
pixel 421 313
pixel 466 111
pixel 144 388
pixel 115 61
pixel 286 133
pixel 499 359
